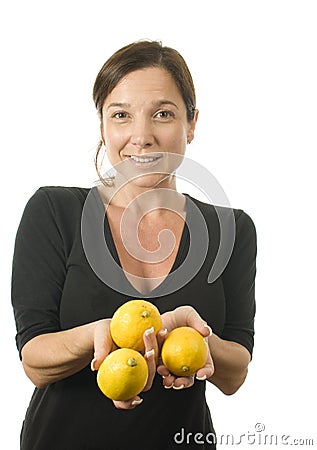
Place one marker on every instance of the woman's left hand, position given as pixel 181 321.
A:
pixel 181 317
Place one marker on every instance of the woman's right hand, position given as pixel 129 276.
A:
pixel 103 345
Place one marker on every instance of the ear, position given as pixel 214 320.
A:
pixel 192 126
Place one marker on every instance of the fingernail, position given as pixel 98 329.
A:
pixel 137 402
pixel 149 353
pixel 210 330
pixel 201 378
pixel 149 331
pixel 165 376
pixel 92 364
pixel 162 333
pixel 168 387
pixel 178 388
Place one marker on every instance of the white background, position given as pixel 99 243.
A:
pixel 254 66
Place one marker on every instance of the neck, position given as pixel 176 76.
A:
pixel 124 193
pixel 141 200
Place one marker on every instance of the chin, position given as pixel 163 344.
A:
pixel 151 181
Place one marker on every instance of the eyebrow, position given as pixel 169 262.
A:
pixel 165 102
pixel 118 105
pixel 128 105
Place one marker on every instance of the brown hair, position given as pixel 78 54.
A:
pixel 140 55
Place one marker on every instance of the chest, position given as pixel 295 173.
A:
pixel 95 288
pixel 148 249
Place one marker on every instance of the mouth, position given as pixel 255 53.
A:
pixel 144 160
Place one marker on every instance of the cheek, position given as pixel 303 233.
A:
pixel 176 139
pixel 113 137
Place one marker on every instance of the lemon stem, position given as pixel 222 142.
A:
pixel 145 314
pixel 132 362
pixel 185 368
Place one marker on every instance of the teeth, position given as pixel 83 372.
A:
pixel 143 159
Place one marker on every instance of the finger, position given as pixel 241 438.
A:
pixel 188 316
pixel 150 341
pixel 168 378
pixel 163 371
pixel 194 320
pixel 151 352
pixel 184 382
pixel 161 335
pixel 168 381
pixel 151 362
pixel 103 343
pixel 207 371
pixel 128 404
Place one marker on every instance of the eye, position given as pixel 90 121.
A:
pixel 120 115
pixel 164 115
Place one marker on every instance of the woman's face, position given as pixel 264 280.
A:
pixel 144 121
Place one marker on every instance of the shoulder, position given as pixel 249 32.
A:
pixel 58 197
pixel 228 223
pixel 54 204
pixel 60 193
pixel 211 210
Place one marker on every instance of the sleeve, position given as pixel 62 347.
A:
pixel 38 270
pixel 239 285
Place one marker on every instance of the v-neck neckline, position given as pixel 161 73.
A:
pixel 183 245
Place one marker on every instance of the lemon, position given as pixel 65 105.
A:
pixel 184 351
pixel 129 322
pixel 123 374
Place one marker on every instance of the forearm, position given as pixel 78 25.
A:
pixel 231 364
pixel 51 357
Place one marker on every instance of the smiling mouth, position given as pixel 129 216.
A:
pixel 144 158
pixel 144 161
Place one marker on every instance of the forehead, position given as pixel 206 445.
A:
pixel 151 82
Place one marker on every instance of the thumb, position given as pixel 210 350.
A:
pixel 102 343
pixel 194 320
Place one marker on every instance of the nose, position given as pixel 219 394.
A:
pixel 142 133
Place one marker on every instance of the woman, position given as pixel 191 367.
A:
pixel 62 302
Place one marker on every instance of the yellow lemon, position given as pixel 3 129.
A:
pixel 184 351
pixel 123 374
pixel 130 321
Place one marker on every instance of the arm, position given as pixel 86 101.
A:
pixel 53 356
pixel 232 351
pixel 231 362
pixel 48 358
pixel 43 243
pixel 228 364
